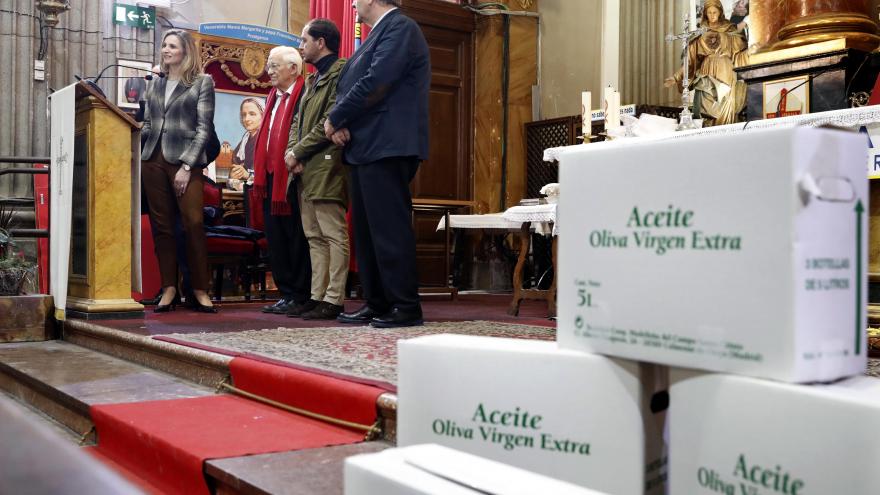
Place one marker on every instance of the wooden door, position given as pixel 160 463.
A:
pixel 446 178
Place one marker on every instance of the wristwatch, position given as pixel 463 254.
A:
pixel 187 167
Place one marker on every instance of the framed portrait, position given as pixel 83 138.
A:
pixel 785 97
pixel 237 118
pixel 130 83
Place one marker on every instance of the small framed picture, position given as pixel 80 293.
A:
pixel 785 97
pixel 131 87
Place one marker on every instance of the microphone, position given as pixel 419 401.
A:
pixel 93 81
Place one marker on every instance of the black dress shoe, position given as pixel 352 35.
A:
pixel 399 318
pixel 279 308
pixel 323 311
pixel 363 316
pixel 296 310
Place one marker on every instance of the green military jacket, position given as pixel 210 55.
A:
pixel 324 177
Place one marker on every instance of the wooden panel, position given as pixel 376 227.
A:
pixel 430 249
pixel 488 112
pixel 435 179
pixel 447 174
pixel 297 15
pixel 523 75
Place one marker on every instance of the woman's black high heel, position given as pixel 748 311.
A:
pixel 167 308
pixel 201 308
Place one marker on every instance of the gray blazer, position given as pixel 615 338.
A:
pixel 183 123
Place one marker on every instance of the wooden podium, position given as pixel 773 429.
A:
pixel 100 277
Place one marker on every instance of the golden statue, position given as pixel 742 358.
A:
pixel 718 96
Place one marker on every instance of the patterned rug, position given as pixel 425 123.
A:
pixel 365 353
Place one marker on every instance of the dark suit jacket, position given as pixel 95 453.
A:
pixel 183 122
pixel 382 97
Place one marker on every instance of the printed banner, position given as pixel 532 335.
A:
pixel 62 104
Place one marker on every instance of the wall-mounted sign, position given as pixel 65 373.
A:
pixel 134 16
pixel 250 32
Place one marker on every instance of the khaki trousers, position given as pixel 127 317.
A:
pixel 325 228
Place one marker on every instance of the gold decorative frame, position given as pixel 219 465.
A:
pixel 250 56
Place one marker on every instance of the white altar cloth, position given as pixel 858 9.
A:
pixel 541 217
pixel 858 119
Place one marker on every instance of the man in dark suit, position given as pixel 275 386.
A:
pixel 381 118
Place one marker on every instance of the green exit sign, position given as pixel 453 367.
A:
pixel 132 15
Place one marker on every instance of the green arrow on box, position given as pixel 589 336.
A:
pixel 134 16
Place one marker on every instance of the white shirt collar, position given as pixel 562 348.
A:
pixel 383 16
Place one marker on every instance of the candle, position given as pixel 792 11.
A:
pixel 586 110
pixel 612 108
pixel 692 13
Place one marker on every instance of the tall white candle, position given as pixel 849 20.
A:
pixel 586 110
pixel 612 108
pixel 692 13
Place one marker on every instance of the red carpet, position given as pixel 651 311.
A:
pixel 338 398
pixel 167 442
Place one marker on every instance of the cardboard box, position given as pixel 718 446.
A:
pixel 437 470
pixel 740 435
pixel 743 253
pixel 582 418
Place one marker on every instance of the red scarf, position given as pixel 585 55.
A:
pixel 273 158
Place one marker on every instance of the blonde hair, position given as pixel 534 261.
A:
pixel 190 69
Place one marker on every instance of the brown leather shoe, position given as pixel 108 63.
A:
pixel 323 311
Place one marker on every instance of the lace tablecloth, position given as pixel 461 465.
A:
pixel 853 118
pixel 542 218
pixel 492 221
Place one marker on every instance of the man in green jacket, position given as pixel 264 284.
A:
pixel 322 190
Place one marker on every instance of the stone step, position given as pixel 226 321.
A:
pixel 202 367
pixel 312 471
pixel 63 380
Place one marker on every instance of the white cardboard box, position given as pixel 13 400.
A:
pixel 437 470
pixel 740 435
pixel 743 253
pixel 574 416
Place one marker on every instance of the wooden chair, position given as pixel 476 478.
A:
pixel 242 248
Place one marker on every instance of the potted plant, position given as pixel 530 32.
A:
pixel 14 268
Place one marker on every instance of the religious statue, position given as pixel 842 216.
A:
pixel 718 96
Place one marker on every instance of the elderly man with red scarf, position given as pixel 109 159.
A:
pixel 288 247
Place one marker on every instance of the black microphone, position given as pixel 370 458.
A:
pixel 97 78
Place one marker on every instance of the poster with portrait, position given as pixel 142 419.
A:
pixel 735 11
pixel 787 97
pixel 131 85
pixel 237 118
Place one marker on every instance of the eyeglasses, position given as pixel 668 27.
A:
pixel 275 67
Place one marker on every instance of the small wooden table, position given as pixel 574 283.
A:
pixel 520 221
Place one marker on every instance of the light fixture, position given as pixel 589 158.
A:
pixel 51 9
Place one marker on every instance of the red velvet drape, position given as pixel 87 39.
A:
pixel 340 12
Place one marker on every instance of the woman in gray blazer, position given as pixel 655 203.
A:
pixel 177 126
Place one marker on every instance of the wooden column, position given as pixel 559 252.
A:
pixel 814 21
pixel 488 111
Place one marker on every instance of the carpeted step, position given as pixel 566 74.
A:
pixel 167 442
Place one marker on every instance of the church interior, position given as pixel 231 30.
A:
pixel 645 233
